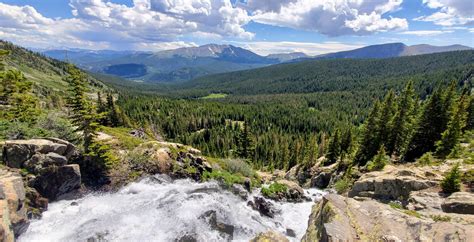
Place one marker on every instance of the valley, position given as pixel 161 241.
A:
pixel 279 152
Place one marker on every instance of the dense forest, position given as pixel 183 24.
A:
pixel 281 130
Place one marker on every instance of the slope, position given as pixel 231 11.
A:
pixel 338 75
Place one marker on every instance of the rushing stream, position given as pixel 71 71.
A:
pixel 158 209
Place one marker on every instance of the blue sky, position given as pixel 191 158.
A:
pixel 264 26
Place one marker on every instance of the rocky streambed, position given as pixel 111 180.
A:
pixel 160 209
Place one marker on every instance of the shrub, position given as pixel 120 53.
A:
pixel 224 176
pixel 238 166
pixel 379 161
pixel 395 205
pixel 274 188
pixel 426 159
pixel 343 185
pixel 452 181
pixel 440 218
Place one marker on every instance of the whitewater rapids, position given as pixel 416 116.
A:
pixel 159 209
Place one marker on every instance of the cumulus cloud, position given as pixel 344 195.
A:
pixel 147 21
pixel 449 12
pixel 151 23
pixel 332 18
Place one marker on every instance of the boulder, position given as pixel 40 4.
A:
pixel 391 183
pixel 459 202
pixel 211 218
pixel 264 207
pixel 270 236
pixel 240 191
pixel 53 181
pixel 17 152
pixel 425 200
pixel 39 161
pixel 338 218
pixel 293 192
pixel 13 214
pixel 321 180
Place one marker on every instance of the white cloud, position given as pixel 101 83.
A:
pixel 332 18
pixel 268 47
pixel 449 12
pixel 426 32
pixel 120 26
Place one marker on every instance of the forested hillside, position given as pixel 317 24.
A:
pixel 275 126
pixel 339 75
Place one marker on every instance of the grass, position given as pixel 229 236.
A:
pixel 412 213
pixel 440 218
pixel 273 189
pixel 123 136
pixel 215 96
pixel 395 205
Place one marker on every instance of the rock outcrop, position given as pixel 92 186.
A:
pixel 338 218
pixel 13 213
pixel 393 183
pixel 459 202
pixel 292 193
pixel 47 162
pixel 264 207
pixel 270 236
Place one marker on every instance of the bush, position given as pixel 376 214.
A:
pixel 452 181
pixel 426 159
pixel 343 185
pixel 379 161
pixel 224 176
pixel 238 166
pixel 274 188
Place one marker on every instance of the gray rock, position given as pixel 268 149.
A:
pixel 263 206
pixel 321 180
pixel 391 183
pixel 211 218
pixel 240 191
pixel 57 181
pixel 338 218
pixel 16 152
pixel 12 206
pixel 459 202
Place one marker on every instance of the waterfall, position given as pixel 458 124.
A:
pixel 159 209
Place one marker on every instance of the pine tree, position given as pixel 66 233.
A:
pixel 334 148
pixel 83 115
pixel 452 181
pixel 402 124
pixel 370 142
pixel 245 143
pixel 379 161
pixel 112 111
pixel 450 137
pixel 387 112
pixel 101 110
pixel 346 143
pixel 429 126
pixel 470 115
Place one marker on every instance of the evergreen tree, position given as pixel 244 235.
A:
pixel 83 115
pixel 387 112
pixel 429 127
pixel 112 111
pixel 402 124
pixel 452 181
pixel 379 161
pixel 370 142
pixel 101 110
pixel 470 115
pixel 245 144
pixel 334 148
pixel 346 143
pixel 450 137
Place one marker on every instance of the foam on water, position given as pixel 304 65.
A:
pixel 158 209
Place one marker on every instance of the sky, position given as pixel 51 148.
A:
pixel 263 26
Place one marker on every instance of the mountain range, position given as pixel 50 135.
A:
pixel 188 63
